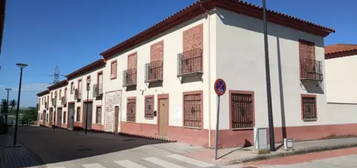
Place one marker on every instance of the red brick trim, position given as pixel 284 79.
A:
pixel 200 92
pixel 230 107
pixel 153 98
pixel 302 111
pixel 111 69
pixel 98 127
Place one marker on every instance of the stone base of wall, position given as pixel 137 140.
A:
pixel 97 127
pixel 233 138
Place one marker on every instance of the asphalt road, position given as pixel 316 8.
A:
pixel 61 145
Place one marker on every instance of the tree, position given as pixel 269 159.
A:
pixel 28 115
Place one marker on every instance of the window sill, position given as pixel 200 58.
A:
pixel 310 120
pixel 197 128
pixel 242 129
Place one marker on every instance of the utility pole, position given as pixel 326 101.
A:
pixel 268 84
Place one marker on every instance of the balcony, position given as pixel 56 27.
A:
pixel 64 101
pixel 54 101
pixel 129 77
pixel 154 71
pixel 311 70
pixel 46 105
pixel 77 94
pixel 190 63
pixel 97 90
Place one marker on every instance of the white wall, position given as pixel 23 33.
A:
pixel 341 83
pixel 342 113
pixel 240 62
pixel 171 83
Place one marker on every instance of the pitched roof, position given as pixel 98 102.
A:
pixel 84 70
pixel 340 50
pixel 203 6
pixel 58 85
pixel 43 93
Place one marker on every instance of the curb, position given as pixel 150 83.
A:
pixel 296 152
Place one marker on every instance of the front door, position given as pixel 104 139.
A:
pixel 50 117
pixel 88 106
pixel 70 115
pixel 163 116
pixel 59 117
pixel 116 118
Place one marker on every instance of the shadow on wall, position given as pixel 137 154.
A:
pixel 51 146
pixel 313 86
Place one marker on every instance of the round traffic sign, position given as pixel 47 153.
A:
pixel 220 87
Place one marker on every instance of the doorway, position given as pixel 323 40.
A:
pixel 116 119
pixel 88 110
pixel 50 116
pixel 163 116
pixel 70 115
pixel 59 117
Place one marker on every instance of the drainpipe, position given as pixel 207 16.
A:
pixel 209 77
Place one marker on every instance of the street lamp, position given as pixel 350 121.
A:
pixel 88 88
pixel 21 66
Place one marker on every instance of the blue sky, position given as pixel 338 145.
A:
pixel 72 33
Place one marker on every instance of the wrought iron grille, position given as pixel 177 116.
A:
pixel 154 71
pixel 193 110
pixel 242 111
pixel 190 62
pixel 149 107
pixel 131 111
pixel 309 108
pixel 311 69
pixel 129 76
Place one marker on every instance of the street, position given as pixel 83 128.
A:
pixel 71 149
pixel 62 148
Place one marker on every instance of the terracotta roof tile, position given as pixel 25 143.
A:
pixel 340 50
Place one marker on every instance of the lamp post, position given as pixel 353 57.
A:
pixel 7 101
pixel 88 88
pixel 21 66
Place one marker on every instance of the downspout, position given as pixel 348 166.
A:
pixel 209 77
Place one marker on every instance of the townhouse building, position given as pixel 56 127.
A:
pixel 159 83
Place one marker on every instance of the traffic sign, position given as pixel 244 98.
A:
pixel 220 87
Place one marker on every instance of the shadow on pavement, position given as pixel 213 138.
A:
pixel 50 146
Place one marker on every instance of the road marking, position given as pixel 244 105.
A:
pixel 93 165
pixel 190 161
pixel 129 164
pixel 162 163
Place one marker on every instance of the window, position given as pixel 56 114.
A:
pixel 80 85
pixel 192 106
pixel 242 109
pixel 100 80
pixel 131 110
pixel 64 117
pixel 309 107
pixel 65 92
pixel 113 70
pixel 78 117
pixel 149 107
pixel 98 115
pixel 72 87
pixel 60 94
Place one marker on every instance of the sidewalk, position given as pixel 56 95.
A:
pixel 240 155
pixel 19 156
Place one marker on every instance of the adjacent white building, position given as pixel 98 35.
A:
pixel 159 83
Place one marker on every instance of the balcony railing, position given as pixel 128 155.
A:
pixel 190 62
pixel 311 70
pixel 154 71
pixel 129 77
pixel 77 94
pixel 54 101
pixel 63 100
pixel 97 90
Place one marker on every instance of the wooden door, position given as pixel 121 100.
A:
pixel 163 116
pixel 50 117
pixel 88 110
pixel 116 118
pixel 70 115
pixel 59 117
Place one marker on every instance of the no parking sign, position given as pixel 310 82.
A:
pixel 220 87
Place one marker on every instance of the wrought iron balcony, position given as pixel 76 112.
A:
pixel 154 71
pixel 54 101
pixel 129 77
pixel 311 69
pixel 190 63
pixel 63 100
pixel 97 90
pixel 77 94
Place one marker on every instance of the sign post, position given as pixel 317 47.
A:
pixel 220 88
